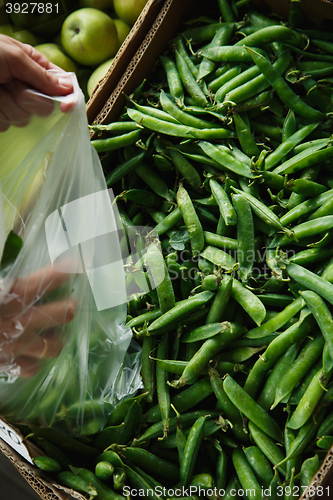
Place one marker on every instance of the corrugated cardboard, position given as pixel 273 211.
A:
pixel 121 60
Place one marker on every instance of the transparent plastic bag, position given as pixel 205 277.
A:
pixel 66 357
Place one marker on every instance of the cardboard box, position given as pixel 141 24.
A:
pixel 123 57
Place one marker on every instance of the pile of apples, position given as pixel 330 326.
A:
pixel 84 40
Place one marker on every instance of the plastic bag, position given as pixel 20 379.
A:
pixel 66 357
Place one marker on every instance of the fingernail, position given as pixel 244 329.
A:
pixel 65 81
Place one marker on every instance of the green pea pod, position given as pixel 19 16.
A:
pixel 287 96
pixel 325 442
pixel 107 436
pixel 249 302
pixel 188 418
pixel 173 129
pixel 203 332
pixel 220 301
pixel 47 464
pixel 185 168
pixel 261 210
pixel 132 419
pixel 310 400
pixel 140 483
pixel 120 141
pixel 207 351
pixel 147 370
pixel 277 321
pixel 298 369
pixel 150 462
pixel 181 309
pixel 266 397
pixel 309 468
pixel 259 463
pixel 153 180
pixel 322 315
pixel 226 160
pixel 221 468
pixel 111 457
pixel 162 388
pixel 246 475
pixel 76 483
pixel 268 447
pixel 218 257
pixel 191 220
pixel 161 278
pixel 191 450
pixel 245 236
pixel 245 137
pixel 174 81
pixel 227 210
pixel 229 409
pixel 305 434
pixel 251 409
pixel 103 492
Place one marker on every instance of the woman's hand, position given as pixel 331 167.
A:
pixel 23 70
pixel 28 332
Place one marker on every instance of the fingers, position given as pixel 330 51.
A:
pixel 25 291
pixel 36 74
pixel 46 316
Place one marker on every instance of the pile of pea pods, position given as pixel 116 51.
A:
pixel 226 152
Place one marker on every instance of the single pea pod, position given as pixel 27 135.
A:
pixel 161 278
pixel 249 302
pixel 77 483
pixel 227 210
pixel 251 409
pixel 218 257
pixel 259 463
pixel 150 462
pixel 47 464
pixel 246 475
pixel 203 332
pixel 267 445
pixel 245 236
pixel 191 450
pixel 191 220
pixel 177 313
pixel 309 468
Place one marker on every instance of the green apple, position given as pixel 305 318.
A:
pixel 97 4
pixel 54 54
pixel 122 30
pixel 23 36
pixel 128 10
pixel 89 36
pixel 97 75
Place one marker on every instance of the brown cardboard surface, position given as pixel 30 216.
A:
pixel 122 58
